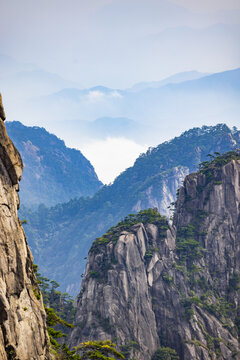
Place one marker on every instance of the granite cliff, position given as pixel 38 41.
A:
pixel 60 237
pixel 152 284
pixel 23 331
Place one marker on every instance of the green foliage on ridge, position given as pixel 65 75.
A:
pixel 149 216
pixel 59 236
pixel 218 160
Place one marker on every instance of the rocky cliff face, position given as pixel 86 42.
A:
pixel 62 236
pixel 162 192
pixel 157 284
pixel 23 333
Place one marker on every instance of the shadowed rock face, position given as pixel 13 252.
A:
pixel 2 112
pixel 173 286
pixel 23 334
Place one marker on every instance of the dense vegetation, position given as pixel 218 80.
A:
pixel 60 313
pixel 61 236
pixel 62 303
pixel 60 316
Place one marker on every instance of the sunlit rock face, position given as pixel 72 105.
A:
pixel 23 333
pixel 176 285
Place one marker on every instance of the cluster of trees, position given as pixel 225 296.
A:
pixel 218 160
pixel 60 313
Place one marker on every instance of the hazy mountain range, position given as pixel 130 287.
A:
pixel 61 236
pixel 118 43
pixel 147 113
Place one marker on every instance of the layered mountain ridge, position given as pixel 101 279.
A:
pixel 23 330
pixel 152 111
pixel 152 284
pixel 60 237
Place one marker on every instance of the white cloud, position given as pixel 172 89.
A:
pixel 95 95
pixel 115 94
pixel 112 156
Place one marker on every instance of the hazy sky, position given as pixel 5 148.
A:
pixel 209 5
pixel 118 42
pixel 115 43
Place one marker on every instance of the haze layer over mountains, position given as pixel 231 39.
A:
pixel 114 77
pixel 107 123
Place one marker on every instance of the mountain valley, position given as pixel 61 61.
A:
pixel 61 236
pixel 120 180
pixel 53 173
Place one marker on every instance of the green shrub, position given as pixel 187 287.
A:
pixel 165 353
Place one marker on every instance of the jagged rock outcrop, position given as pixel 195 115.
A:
pixel 61 237
pixel 157 284
pixel 23 333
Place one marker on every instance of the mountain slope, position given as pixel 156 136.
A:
pixel 52 173
pixel 150 284
pixel 60 237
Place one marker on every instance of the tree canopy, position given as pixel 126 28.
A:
pixel 104 350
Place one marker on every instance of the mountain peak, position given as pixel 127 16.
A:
pixel 157 285
pixel 151 182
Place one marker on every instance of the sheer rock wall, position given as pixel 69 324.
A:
pixel 178 288
pixel 23 333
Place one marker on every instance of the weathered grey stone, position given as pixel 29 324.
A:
pixel 23 333
pixel 162 193
pixel 163 301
